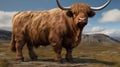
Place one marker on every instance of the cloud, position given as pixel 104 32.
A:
pixel 97 29
pixel 111 16
pixel 112 33
pixel 5 20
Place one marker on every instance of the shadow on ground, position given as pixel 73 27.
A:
pixel 77 61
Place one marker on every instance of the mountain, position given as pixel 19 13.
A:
pixel 86 38
pixel 98 39
pixel 117 38
pixel 5 35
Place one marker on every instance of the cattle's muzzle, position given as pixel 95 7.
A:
pixel 82 20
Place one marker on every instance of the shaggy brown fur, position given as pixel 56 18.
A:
pixel 56 27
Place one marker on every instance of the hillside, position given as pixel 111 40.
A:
pixel 98 39
pixel 87 38
pixel 5 35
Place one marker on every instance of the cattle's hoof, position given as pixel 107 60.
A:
pixel 34 59
pixel 60 62
pixel 70 60
pixel 20 60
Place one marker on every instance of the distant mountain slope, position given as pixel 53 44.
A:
pixel 86 38
pixel 98 39
pixel 117 38
pixel 5 35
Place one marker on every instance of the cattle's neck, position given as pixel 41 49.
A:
pixel 73 27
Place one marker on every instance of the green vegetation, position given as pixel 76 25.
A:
pixel 93 55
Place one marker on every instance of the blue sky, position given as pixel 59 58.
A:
pixel 23 5
pixel 105 21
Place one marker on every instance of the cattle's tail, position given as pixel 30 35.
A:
pixel 12 44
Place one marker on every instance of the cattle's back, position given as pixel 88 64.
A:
pixel 36 26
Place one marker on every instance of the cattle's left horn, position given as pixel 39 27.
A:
pixel 63 8
pixel 101 7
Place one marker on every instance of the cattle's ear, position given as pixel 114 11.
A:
pixel 69 13
pixel 91 13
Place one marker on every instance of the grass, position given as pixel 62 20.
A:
pixel 5 63
pixel 91 54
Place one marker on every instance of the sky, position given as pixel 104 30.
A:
pixel 106 21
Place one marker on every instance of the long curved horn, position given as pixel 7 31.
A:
pixel 101 7
pixel 63 8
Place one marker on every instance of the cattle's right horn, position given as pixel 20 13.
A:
pixel 101 7
pixel 63 8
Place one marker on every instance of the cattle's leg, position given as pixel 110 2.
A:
pixel 19 47
pixel 69 55
pixel 58 48
pixel 32 54
pixel 55 41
